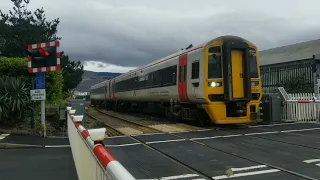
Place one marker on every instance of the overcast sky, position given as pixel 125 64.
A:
pixel 119 35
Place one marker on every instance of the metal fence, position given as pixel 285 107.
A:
pixel 287 74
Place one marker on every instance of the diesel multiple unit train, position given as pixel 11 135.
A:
pixel 215 82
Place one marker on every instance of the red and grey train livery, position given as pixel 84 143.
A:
pixel 217 81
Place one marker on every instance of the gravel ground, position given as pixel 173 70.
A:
pixel 156 123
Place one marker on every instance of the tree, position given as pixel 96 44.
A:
pixel 21 27
pixel 71 72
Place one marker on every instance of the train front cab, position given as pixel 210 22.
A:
pixel 232 85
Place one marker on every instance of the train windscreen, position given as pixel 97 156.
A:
pixel 214 66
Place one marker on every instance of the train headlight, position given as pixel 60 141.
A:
pixel 215 84
pixel 254 83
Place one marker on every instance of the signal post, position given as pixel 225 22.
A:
pixel 42 57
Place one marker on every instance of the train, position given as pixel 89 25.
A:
pixel 215 82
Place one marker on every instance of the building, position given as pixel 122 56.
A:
pixel 290 66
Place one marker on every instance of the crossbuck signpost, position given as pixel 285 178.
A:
pixel 42 57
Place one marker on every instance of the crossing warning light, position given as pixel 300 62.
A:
pixel 43 57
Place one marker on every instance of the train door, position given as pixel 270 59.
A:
pixel 114 89
pixel 195 78
pixel 110 89
pixel 105 91
pixel 237 74
pixel 182 85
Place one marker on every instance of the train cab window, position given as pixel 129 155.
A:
pixel 253 67
pixel 214 66
pixel 195 70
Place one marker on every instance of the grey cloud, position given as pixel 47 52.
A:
pixel 135 33
pixel 101 65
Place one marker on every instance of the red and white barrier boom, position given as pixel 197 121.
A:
pixel 92 160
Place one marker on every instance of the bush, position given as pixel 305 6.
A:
pixel 19 67
pixel 15 100
pixel 14 67
pixel 54 86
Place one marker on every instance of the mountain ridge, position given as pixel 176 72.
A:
pixel 90 78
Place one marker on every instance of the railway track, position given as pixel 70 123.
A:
pixel 143 123
pixel 110 131
pixel 160 124
pixel 119 125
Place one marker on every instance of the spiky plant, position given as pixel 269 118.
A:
pixel 15 99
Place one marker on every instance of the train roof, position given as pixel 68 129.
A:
pixel 224 38
pixel 100 84
pixel 293 52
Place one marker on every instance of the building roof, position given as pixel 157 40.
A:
pixel 299 51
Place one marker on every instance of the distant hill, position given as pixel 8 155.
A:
pixel 90 78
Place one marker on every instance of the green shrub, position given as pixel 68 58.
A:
pixel 14 67
pixel 15 100
pixel 19 67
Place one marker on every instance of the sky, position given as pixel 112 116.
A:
pixel 120 35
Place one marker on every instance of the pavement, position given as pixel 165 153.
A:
pixel 36 158
pixel 37 164
pixel 35 141
pixel 285 151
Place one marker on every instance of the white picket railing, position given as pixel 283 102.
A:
pixel 92 160
pixel 305 112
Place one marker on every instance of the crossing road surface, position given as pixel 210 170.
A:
pixel 287 151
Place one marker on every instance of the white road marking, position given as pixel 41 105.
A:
pixel 208 137
pixel 121 145
pixel 248 168
pixel 56 146
pixel 147 134
pixel 318 164
pixel 268 125
pixel 179 176
pixel 296 130
pixel 311 160
pixel 246 174
pixel 176 177
pixel 107 137
pixel 174 140
pixel 213 137
pixel 2 136
pixel 58 137
pixel 268 132
pixel 188 131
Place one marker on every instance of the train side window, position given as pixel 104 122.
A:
pixel 149 81
pixel 195 70
pixel 142 82
pixel 157 78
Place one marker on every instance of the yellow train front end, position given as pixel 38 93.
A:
pixel 232 84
